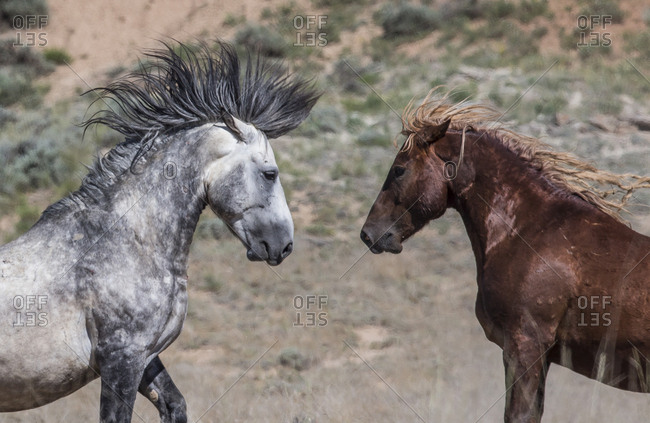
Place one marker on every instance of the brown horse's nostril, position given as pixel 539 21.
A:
pixel 287 250
pixel 365 238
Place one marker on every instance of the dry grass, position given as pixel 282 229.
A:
pixel 410 317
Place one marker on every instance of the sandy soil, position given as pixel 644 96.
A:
pixel 102 35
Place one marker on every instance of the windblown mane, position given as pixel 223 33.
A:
pixel 183 87
pixel 607 191
pixel 200 84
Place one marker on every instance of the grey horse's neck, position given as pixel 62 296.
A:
pixel 151 208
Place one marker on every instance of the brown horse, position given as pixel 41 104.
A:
pixel 561 279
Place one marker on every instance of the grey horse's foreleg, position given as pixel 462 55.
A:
pixel 119 375
pixel 159 388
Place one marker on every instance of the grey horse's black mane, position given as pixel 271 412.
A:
pixel 200 85
pixel 184 87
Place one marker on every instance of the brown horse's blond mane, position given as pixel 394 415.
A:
pixel 607 191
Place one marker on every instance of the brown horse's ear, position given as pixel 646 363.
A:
pixel 433 133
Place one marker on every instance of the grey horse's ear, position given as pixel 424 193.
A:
pixel 433 133
pixel 231 125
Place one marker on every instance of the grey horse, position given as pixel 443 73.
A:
pixel 97 287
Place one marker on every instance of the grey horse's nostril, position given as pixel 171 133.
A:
pixel 287 250
pixel 364 237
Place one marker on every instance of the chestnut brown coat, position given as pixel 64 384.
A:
pixel 561 279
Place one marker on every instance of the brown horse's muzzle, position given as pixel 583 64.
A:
pixel 381 240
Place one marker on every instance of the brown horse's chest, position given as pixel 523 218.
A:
pixel 493 331
pixel 493 308
pixel 509 302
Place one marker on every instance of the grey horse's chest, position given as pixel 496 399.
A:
pixel 145 313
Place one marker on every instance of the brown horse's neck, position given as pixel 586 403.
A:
pixel 504 197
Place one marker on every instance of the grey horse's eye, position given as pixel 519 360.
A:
pixel 271 175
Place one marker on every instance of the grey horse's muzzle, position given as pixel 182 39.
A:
pixel 269 240
pixel 273 252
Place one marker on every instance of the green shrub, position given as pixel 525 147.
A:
pixel 322 119
pixel 19 66
pixel 24 58
pixel 530 9
pixel 374 137
pixel 495 29
pixel 484 57
pixel 27 216
pixel 262 39
pixel 318 229
pixel 550 103
pixel 499 9
pixel 335 3
pixel 6 116
pixel 11 8
pixel 352 77
pixel 539 32
pixel 602 8
pixel 590 52
pixel 58 56
pixel 407 20
pixel 267 13
pixel 638 43
pixel 233 20
pixel 291 357
pixel 31 165
pixel 521 44
pixel 372 103
pixel 462 9
pixel 14 86
pixel 213 284
pixel 608 105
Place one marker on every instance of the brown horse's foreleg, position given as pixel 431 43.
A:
pixel 526 366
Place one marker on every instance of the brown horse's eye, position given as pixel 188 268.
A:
pixel 399 171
